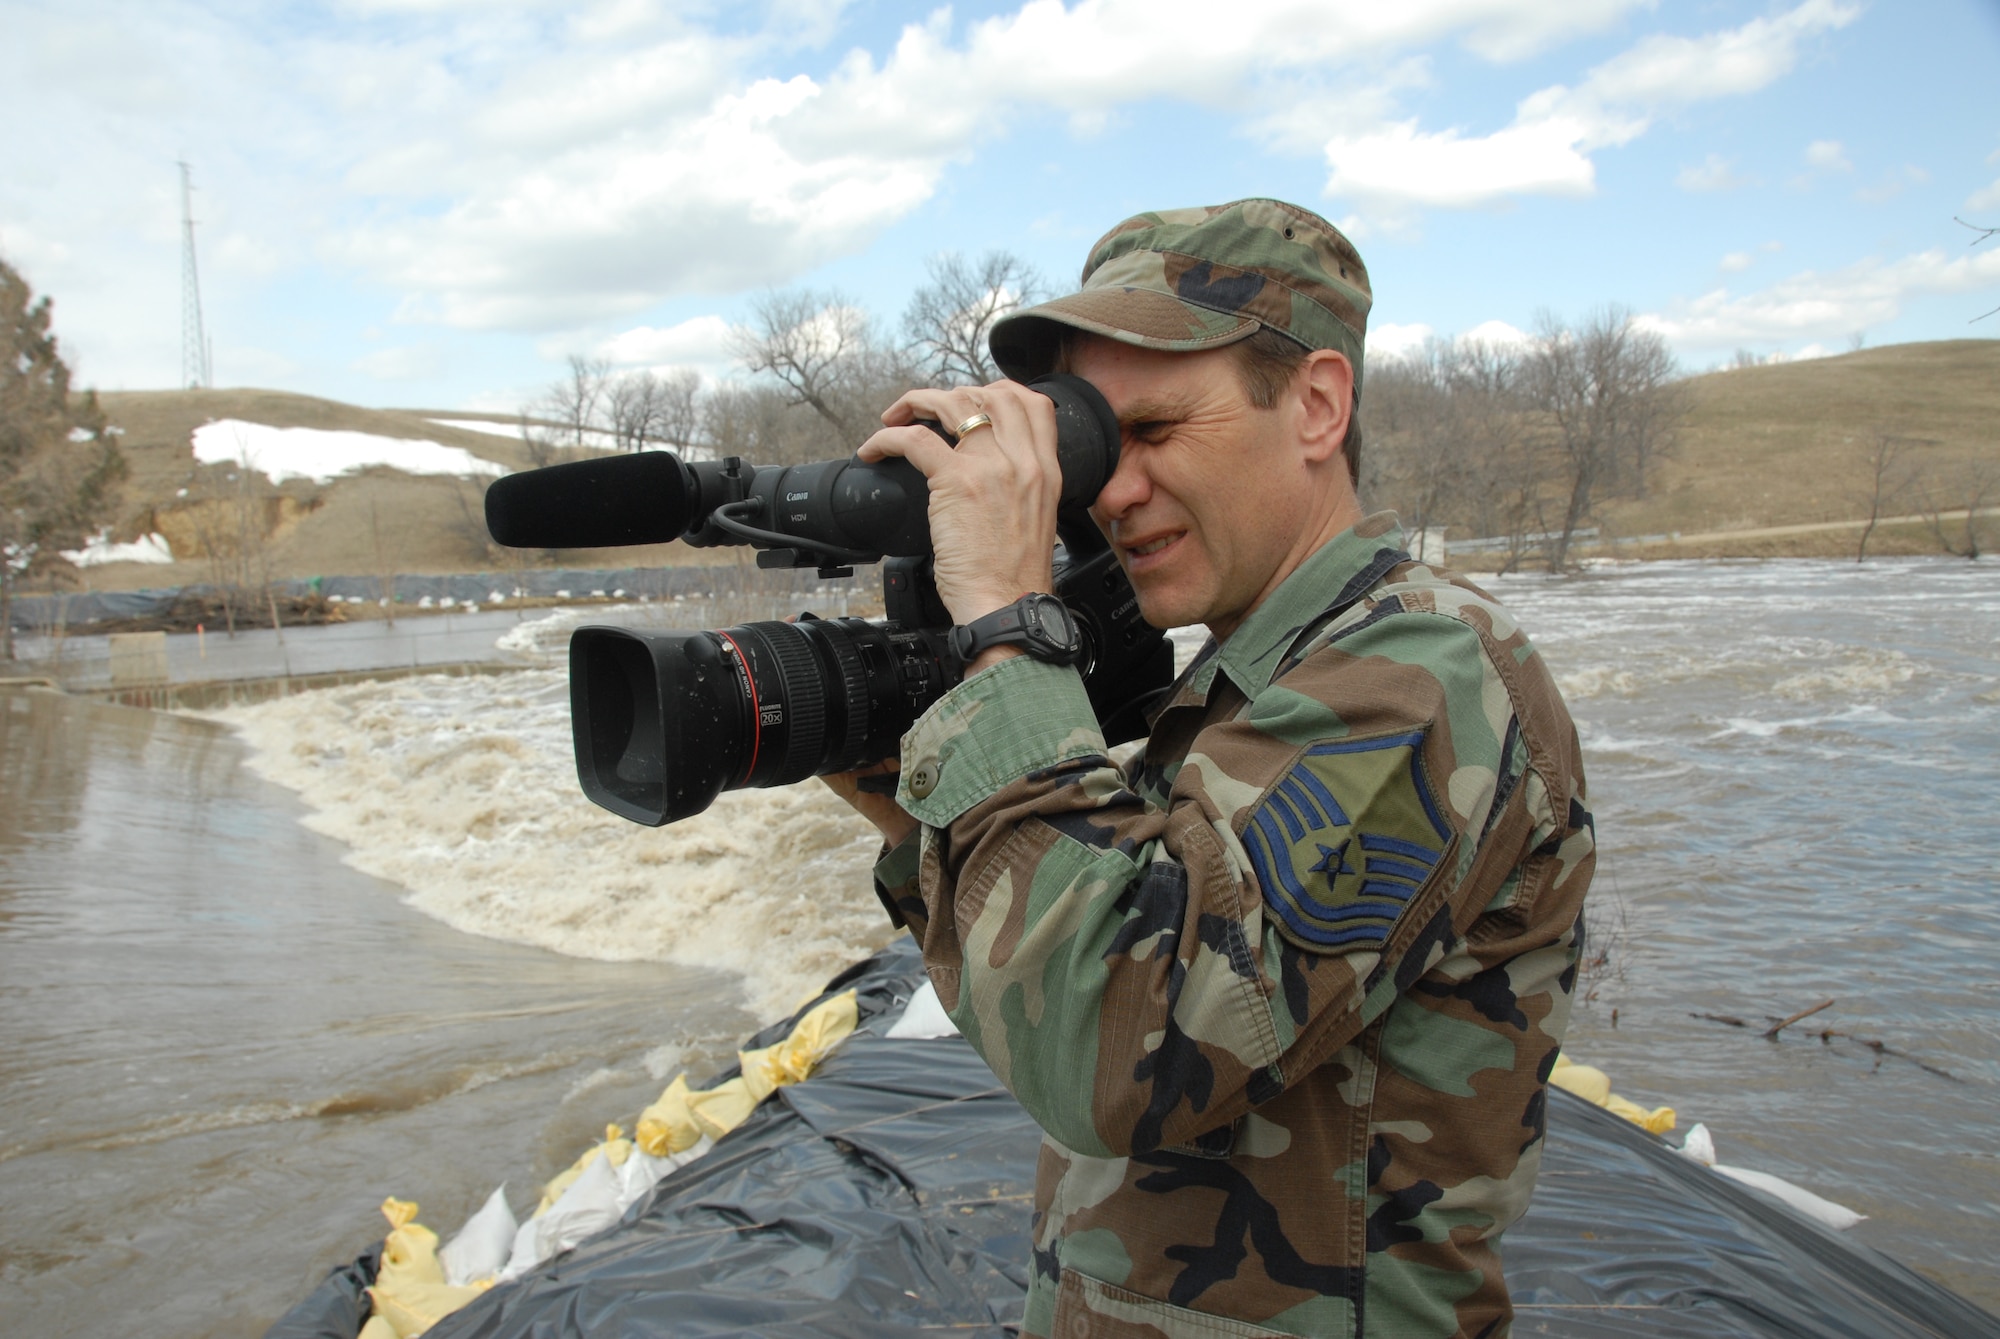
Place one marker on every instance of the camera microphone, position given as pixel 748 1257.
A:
pixel 643 498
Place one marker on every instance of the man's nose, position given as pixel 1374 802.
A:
pixel 1128 487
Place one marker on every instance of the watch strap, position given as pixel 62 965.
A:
pixel 1012 626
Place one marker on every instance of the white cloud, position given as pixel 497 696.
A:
pixel 1664 70
pixel 1716 173
pixel 1497 333
pixel 701 341
pixel 1829 154
pixel 1735 262
pixel 1811 305
pixel 1546 151
pixel 1394 341
pixel 675 174
pixel 1407 166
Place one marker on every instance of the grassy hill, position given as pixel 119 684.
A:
pixel 375 521
pixel 1763 447
pixel 1784 445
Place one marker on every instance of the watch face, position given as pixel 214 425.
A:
pixel 1053 617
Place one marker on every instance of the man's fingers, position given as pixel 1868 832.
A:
pixel 920 446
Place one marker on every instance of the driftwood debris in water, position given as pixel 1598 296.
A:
pixel 1828 1036
pixel 1882 1048
pixel 1771 1033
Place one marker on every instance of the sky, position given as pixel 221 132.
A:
pixel 434 203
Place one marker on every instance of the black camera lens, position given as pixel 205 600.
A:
pixel 664 722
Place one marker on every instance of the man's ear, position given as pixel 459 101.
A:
pixel 1325 387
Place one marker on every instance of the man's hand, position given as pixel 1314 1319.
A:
pixel 992 518
pixel 992 499
pixel 878 807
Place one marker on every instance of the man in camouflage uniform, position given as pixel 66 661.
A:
pixel 1284 991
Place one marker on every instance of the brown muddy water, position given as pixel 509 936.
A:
pixel 259 970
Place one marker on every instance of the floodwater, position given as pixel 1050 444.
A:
pixel 259 970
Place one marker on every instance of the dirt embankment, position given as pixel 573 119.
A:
pixel 1773 461
pixel 373 522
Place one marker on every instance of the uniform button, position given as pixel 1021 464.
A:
pixel 923 780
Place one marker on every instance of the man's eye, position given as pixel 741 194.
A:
pixel 1154 430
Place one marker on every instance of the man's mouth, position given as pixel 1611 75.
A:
pixel 1140 552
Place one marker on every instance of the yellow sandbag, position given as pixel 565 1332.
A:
pixel 668 1126
pixel 615 1146
pixel 720 1109
pixel 409 1252
pixel 811 1040
pixel 377 1328
pixel 411 1311
pixel 1658 1120
pixel 410 1294
pixel 1593 1085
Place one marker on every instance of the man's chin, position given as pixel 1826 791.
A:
pixel 1165 612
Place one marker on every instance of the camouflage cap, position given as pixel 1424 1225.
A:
pixel 1183 280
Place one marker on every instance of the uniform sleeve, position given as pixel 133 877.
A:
pixel 1139 974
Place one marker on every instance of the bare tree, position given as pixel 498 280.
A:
pixel 577 401
pixel 634 406
pixel 1605 391
pixel 680 410
pixel 813 344
pixel 646 409
pixel 761 423
pixel 949 319
pixel 1972 488
pixel 230 509
pixel 540 444
pixel 59 461
pixel 1888 475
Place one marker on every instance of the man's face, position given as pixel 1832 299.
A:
pixel 1212 505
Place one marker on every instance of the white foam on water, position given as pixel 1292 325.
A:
pixel 547 637
pixel 1865 670
pixel 663 1062
pixel 464 792
pixel 1590 682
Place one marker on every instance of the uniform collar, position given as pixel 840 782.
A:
pixel 1256 651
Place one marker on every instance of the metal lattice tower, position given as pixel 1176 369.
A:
pixel 194 339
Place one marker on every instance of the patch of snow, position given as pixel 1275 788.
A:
pixel 320 455
pixel 98 550
pixel 599 438
pixel 511 431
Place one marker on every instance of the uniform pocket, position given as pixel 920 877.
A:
pixel 1088 1308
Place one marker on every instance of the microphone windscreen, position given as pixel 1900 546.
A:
pixel 589 504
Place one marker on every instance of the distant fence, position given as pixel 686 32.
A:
pixel 48 613
pixel 190 669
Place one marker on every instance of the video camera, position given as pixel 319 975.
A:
pixel 663 722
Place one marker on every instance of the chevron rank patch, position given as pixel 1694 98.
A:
pixel 1345 839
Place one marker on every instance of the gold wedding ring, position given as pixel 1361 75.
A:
pixel 975 422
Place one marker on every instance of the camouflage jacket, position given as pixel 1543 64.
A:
pixel 1285 991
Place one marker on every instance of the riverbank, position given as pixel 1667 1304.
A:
pixel 257 972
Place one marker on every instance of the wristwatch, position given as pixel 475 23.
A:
pixel 1039 624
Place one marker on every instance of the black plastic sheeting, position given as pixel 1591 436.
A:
pixel 889 1195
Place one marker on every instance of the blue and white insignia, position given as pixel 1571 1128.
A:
pixel 1345 839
